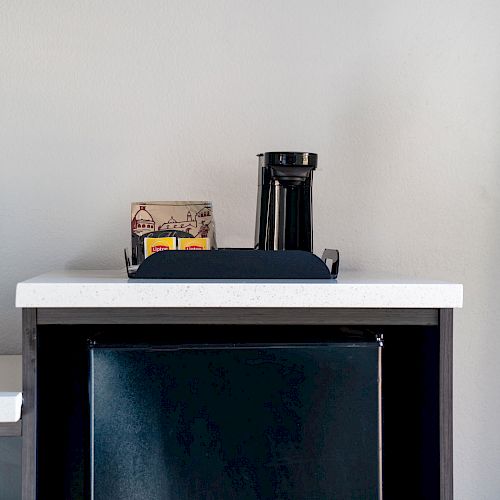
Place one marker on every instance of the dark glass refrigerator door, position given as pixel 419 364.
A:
pixel 239 421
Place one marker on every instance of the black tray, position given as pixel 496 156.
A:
pixel 236 264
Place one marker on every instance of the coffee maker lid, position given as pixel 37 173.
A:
pixel 290 158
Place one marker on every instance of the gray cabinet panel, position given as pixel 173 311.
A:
pixel 10 468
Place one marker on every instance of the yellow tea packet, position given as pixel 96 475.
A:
pixel 153 245
pixel 194 244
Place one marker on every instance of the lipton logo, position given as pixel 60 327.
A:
pixel 159 248
pixel 194 247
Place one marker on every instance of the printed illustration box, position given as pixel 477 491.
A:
pixel 164 219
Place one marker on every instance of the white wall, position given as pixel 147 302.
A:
pixel 10 373
pixel 102 103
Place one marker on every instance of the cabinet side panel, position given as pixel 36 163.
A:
pixel 29 421
pixel 446 402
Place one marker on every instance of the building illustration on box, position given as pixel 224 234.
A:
pixel 194 218
pixel 142 222
pixel 197 225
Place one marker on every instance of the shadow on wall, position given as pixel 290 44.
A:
pixel 477 343
pixel 358 180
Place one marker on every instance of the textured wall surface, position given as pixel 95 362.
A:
pixel 10 373
pixel 102 103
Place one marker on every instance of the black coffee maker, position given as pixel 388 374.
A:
pixel 284 204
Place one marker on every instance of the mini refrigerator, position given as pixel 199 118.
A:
pixel 228 420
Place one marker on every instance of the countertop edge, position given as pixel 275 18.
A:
pixel 250 294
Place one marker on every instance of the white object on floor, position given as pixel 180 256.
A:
pixel 10 406
pixel 351 289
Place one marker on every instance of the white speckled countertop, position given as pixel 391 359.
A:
pixel 351 289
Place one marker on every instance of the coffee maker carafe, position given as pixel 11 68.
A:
pixel 284 204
